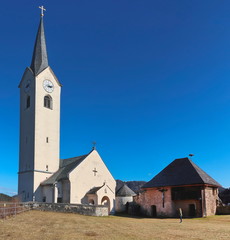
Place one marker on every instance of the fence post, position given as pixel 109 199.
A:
pixel 15 209
pixel 4 211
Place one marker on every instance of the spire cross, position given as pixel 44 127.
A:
pixel 42 10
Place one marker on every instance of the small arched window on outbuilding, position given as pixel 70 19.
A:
pixel 28 102
pixel 48 102
pixel 91 202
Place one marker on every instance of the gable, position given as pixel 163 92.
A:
pixel 93 162
pixel 48 73
pixel 72 165
pixel 28 74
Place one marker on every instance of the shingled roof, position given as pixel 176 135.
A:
pixel 66 166
pixel 40 58
pixel 125 191
pixel 95 189
pixel 181 171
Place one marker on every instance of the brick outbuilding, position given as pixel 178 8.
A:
pixel 182 184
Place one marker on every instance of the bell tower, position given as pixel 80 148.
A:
pixel 39 121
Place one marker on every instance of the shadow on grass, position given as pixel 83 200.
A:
pixel 125 215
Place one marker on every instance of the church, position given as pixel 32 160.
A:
pixel 42 175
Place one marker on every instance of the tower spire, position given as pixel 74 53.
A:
pixel 40 58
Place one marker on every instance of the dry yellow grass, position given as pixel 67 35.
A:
pixel 38 225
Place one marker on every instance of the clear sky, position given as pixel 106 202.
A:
pixel 148 80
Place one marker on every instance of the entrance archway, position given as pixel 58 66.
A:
pixel 106 202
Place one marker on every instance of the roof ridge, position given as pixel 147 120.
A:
pixel 200 171
pixel 74 157
pixel 79 156
pixel 195 168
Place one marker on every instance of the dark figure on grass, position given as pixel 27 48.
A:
pixel 180 214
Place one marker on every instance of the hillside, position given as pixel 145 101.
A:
pixel 134 185
pixel 224 195
pixel 5 198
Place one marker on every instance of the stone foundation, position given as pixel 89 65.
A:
pixel 89 210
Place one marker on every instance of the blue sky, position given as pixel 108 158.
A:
pixel 148 80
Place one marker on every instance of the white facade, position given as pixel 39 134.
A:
pixel 39 133
pixel 122 203
pixel 90 174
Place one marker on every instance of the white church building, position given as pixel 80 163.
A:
pixel 42 176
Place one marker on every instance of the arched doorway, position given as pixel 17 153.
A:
pixel 106 202
pixel 91 202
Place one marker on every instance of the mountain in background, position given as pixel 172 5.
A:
pixel 134 185
pixel 224 194
pixel 5 198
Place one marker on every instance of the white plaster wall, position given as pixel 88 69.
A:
pixel 82 179
pixel 65 191
pixel 36 124
pixel 26 148
pixel 27 116
pixel 39 177
pixel 47 191
pixel 121 203
pixel 92 197
pixel 25 186
pixel 104 192
pixel 47 124
pixel 60 190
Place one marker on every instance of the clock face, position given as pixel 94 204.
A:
pixel 27 86
pixel 48 86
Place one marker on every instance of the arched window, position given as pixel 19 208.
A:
pixel 91 202
pixel 28 102
pixel 48 102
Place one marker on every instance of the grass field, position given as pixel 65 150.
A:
pixel 36 225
